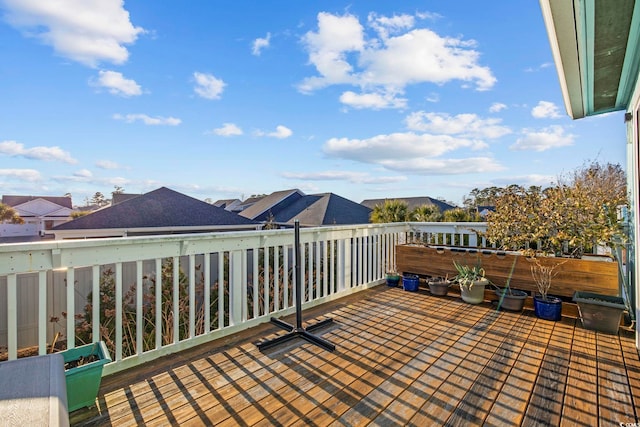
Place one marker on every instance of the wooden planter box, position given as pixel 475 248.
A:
pixel 575 274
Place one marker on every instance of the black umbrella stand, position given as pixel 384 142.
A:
pixel 298 331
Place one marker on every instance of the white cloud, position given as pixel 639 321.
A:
pixel 117 84
pixel 352 177
pixel 148 120
pixel 86 31
pixel 30 175
pixel 259 44
pixel 385 25
pixel 546 110
pixel 83 173
pixel 422 166
pixel 50 154
pixel 399 56
pixel 281 132
pixel 466 125
pixel 374 101
pixel 228 129
pixel 396 146
pixel 496 107
pixel 544 139
pixel 107 164
pixel 433 97
pixel 208 86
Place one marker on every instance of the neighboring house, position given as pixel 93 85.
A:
pixel 284 207
pixel 162 211
pixel 483 211
pixel 40 215
pixel 231 205
pixel 323 209
pixel 267 207
pixel 412 202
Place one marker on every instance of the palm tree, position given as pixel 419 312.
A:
pixel 426 213
pixel 8 214
pixel 390 211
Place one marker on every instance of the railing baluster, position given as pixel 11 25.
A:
pixel 139 318
pixel 207 292
pixel 71 308
pixel 266 280
pixel 256 301
pixel 95 303
pixel 221 290
pixel 42 312
pixel 158 292
pixel 118 304
pixel 285 278
pixel 12 316
pixel 192 296
pixel 176 299
pixel 276 278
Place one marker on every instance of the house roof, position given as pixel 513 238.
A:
pixel 324 209
pixel 14 201
pixel 412 202
pixel 595 46
pixel 122 197
pixel 264 205
pixel 159 208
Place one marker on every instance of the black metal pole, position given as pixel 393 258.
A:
pixel 296 260
pixel 297 330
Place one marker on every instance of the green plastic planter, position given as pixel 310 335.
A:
pixel 83 382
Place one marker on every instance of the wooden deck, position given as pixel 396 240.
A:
pixel 402 358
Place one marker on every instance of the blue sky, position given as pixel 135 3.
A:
pixel 225 99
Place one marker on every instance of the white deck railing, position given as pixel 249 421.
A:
pixel 218 284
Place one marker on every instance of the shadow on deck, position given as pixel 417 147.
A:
pixel 401 358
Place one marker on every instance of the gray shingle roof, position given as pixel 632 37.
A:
pixel 159 208
pixel 271 204
pixel 324 209
pixel 18 200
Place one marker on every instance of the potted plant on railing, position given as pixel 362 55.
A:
pixel 545 306
pixel 510 299
pixel 471 281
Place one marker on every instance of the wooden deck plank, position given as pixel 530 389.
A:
pixel 613 387
pixel 580 402
pixel 401 358
pixel 632 363
pixel 545 406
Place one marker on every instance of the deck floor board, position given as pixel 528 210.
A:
pixel 402 358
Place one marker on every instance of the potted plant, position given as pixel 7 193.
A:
pixel 510 299
pixel 545 306
pixel 83 372
pixel 410 282
pixel 439 286
pixel 393 277
pixel 472 282
pixel 599 312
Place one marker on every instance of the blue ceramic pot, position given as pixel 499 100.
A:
pixel 410 282
pixel 551 309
